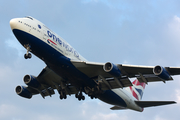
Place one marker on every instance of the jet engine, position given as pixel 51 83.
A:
pixel 31 81
pixel 112 69
pixel 161 72
pixel 23 92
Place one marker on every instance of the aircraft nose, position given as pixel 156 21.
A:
pixel 13 23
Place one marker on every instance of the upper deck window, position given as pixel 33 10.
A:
pixel 29 17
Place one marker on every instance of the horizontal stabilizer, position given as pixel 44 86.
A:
pixel 144 104
pixel 118 108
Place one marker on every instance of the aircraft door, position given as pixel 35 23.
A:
pixel 45 36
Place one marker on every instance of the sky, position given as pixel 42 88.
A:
pixel 137 32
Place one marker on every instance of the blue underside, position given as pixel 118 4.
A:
pixel 62 66
pixel 112 98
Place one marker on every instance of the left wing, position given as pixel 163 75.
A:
pixel 116 75
pixel 44 84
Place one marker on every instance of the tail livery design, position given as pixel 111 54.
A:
pixel 137 89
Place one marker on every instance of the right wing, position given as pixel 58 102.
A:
pixel 96 71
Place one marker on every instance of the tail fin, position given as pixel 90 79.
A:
pixel 137 89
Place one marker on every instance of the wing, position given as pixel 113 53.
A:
pixel 45 83
pixel 109 76
pixel 144 104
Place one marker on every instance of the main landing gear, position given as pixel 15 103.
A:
pixel 62 94
pixel 80 96
pixel 27 55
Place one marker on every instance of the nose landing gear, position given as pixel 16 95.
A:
pixel 27 55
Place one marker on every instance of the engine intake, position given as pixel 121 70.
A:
pixel 161 72
pixel 112 69
pixel 31 81
pixel 23 92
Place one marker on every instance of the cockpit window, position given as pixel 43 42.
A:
pixel 29 17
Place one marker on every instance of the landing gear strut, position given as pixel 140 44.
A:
pixel 95 92
pixel 27 55
pixel 62 94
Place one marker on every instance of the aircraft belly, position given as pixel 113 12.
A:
pixel 111 97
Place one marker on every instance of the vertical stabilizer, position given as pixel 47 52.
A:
pixel 137 89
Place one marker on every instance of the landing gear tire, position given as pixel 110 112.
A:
pixel 76 95
pixel 65 96
pixel 62 94
pixel 26 56
pixel 80 97
pixel 29 55
pixel 61 97
pixel 83 98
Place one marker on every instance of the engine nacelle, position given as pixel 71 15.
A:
pixel 161 72
pixel 23 92
pixel 31 81
pixel 112 69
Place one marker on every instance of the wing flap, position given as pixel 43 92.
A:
pixel 151 78
pixel 112 83
pixel 145 104
pixel 44 92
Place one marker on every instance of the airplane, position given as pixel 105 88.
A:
pixel 71 74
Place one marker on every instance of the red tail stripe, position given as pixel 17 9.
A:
pixel 133 93
pixel 136 82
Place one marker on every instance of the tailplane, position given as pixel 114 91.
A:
pixel 137 89
pixel 145 104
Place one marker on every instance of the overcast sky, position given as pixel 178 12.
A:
pixel 138 32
